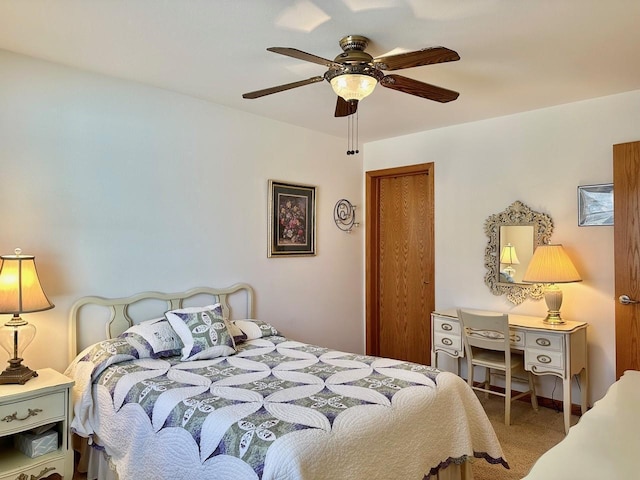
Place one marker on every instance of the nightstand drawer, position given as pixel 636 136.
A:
pixel 21 415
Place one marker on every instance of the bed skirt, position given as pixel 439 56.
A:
pixel 95 463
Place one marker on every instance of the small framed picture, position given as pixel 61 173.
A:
pixel 595 205
pixel 292 219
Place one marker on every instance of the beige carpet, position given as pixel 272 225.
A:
pixel 529 436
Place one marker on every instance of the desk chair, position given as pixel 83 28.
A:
pixel 487 344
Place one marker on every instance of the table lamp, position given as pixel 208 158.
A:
pixel 20 292
pixel 550 264
pixel 508 256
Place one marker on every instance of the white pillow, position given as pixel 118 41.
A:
pixel 203 331
pixel 160 336
pixel 253 329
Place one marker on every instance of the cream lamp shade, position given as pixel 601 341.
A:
pixel 509 255
pixel 550 264
pixel 20 292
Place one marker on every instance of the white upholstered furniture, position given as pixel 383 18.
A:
pixel 558 350
pixel 604 444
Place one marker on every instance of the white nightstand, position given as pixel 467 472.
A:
pixel 42 400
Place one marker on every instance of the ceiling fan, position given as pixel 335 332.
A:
pixel 354 73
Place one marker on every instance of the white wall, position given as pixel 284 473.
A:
pixel 117 188
pixel 539 158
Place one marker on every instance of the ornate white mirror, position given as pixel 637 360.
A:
pixel 513 236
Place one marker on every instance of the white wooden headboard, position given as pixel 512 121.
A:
pixel 121 317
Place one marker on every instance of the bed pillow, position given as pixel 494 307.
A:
pixel 253 329
pixel 238 335
pixel 203 331
pixel 159 335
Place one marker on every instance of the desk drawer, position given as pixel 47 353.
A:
pixel 544 341
pixel 448 342
pixel 446 326
pixel 20 415
pixel 517 339
pixel 544 360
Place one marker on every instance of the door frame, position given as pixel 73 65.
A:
pixel 372 241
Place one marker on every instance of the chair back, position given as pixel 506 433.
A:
pixel 486 331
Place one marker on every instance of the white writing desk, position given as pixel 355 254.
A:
pixel 559 350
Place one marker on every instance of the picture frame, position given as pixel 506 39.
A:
pixel 292 219
pixel 595 205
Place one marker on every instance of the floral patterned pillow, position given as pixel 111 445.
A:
pixel 203 331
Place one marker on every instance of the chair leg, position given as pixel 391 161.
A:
pixel 487 381
pixel 469 372
pixel 507 399
pixel 534 398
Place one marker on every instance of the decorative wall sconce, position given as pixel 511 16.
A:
pixel 344 214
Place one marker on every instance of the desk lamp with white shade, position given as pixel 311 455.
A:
pixel 551 265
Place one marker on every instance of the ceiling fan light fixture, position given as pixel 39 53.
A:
pixel 353 86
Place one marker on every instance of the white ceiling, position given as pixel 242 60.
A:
pixel 516 55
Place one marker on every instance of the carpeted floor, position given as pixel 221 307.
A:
pixel 529 436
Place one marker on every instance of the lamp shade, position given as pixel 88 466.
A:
pixel 551 264
pixel 508 255
pixel 353 86
pixel 20 289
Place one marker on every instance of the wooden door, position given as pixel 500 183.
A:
pixel 399 266
pixel 626 191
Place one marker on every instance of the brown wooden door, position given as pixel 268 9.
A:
pixel 400 257
pixel 626 190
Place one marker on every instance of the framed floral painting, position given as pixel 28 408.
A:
pixel 292 219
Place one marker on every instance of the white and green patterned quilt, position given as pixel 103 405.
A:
pixel 277 409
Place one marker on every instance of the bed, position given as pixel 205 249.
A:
pixel 605 442
pixel 205 390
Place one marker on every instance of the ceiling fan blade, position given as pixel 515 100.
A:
pixel 344 108
pixel 300 55
pixel 282 88
pixel 419 89
pixel 426 56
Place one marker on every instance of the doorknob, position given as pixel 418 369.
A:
pixel 625 300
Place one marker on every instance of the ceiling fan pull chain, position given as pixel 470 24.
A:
pixel 348 136
pixel 352 134
pixel 357 120
pixel 349 139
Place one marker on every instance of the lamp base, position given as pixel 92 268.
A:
pixel 553 318
pixel 16 373
pixel 553 299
